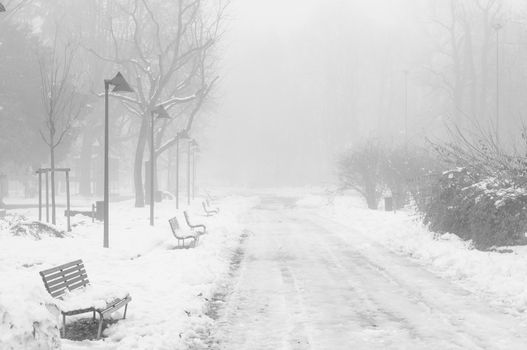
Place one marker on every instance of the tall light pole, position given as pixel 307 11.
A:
pixel 406 110
pixel 161 114
pixel 182 135
pixel 120 85
pixel 189 155
pixel 497 27
pixel 195 150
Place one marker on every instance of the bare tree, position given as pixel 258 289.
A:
pixel 165 48
pixel 360 170
pixel 463 35
pixel 60 101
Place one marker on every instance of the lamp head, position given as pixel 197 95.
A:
pixel 161 112
pixel 183 135
pixel 120 84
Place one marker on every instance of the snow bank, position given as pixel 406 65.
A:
pixel 502 276
pixel 28 317
pixel 169 287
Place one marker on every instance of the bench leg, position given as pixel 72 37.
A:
pixel 63 326
pixel 94 315
pixel 99 331
pixel 125 309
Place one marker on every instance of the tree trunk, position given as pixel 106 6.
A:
pixel 372 198
pixel 138 165
pixel 85 164
pixel 52 164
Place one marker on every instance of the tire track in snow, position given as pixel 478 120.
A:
pixel 215 306
pixel 462 327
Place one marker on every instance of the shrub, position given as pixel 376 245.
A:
pixel 360 169
pixel 486 210
pixel 371 168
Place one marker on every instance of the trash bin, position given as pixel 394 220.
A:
pixel 388 203
pixel 99 210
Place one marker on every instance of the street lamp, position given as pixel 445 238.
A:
pixel 120 85
pixel 182 135
pixel 161 113
pixel 406 72
pixel 497 27
pixel 192 143
pixel 195 150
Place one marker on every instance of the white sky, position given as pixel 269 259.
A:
pixel 271 53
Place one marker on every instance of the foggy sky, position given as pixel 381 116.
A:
pixel 285 106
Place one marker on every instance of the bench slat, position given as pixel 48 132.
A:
pixel 59 292
pixel 67 284
pixel 61 267
pixel 80 284
pixel 63 272
pixel 67 278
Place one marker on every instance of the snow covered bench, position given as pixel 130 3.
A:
pixel 209 211
pixel 200 229
pixel 182 236
pixel 69 283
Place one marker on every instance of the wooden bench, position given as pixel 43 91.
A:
pixel 200 229
pixel 208 211
pixel 69 277
pixel 182 236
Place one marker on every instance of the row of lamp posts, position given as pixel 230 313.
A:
pixel 120 84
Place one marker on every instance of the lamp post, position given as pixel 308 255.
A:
pixel 189 155
pixel 161 113
pixel 406 110
pixel 182 135
pixel 120 85
pixel 195 150
pixel 497 27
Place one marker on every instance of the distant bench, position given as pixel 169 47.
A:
pixel 199 228
pixel 182 236
pixel 72 276
pixel 208 210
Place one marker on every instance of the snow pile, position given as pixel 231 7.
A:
pixel 37 230
pixel 28 318
pixel 19 225
pixel 89 296
pixel 500 274
pixel 169 287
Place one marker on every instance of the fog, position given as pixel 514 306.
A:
pixel 263 174
pixel 304 80
pixel 284 88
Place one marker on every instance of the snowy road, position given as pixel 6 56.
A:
pixel 309 283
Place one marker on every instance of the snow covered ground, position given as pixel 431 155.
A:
pixel 169 287
pixel 316 272
pixel 320 276
pixel 500 276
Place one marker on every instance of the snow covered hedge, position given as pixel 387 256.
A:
pixel 488 211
